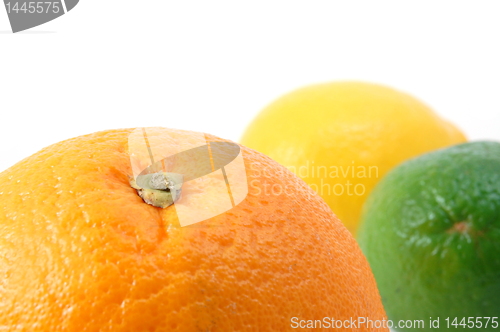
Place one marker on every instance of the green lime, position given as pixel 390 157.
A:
pixel 431 232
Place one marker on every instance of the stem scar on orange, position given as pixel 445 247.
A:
pixel 81 251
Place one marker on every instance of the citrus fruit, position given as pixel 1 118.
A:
pixel 431 232
pixel 342 137
pixel 80 250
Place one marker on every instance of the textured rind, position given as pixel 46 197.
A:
pixel 81 251
pixel 424 265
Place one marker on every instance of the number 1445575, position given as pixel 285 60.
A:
pixel 33 7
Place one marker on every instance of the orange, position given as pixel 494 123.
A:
pixel 343 137
pixel 81 251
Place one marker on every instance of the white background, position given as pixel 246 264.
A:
pixel 212 65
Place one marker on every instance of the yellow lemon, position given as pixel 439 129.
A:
pixel 343 137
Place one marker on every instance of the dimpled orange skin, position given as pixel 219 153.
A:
pixel 80 251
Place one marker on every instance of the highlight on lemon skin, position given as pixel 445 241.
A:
pixel 341 138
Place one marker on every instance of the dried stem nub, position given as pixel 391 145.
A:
pixel 159 189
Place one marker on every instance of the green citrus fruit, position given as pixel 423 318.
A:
pixel 342 137
pixel 431 232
